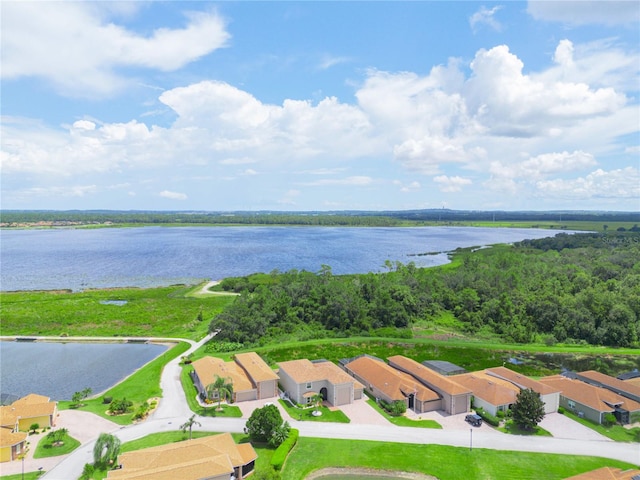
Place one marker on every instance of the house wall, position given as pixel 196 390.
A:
pixel 218 477
pixel 198 383
pixel 25 423
pixel 456 403
pixel 5 454
pixel 357 394
pixel 488 407
pixel 589 413
pixel 267 389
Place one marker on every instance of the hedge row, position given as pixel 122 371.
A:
pixel 280 455
pixel 487 417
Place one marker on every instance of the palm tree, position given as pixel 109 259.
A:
pixel 222 386
pixel 106 450
pixel 189 424
pixel 317 400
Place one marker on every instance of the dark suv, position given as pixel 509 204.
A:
pixel 473 419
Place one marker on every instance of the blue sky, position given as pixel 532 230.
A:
pixel 304 106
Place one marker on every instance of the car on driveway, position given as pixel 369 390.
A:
pixel 473 419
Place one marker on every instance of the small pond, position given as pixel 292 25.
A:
pixel 58 370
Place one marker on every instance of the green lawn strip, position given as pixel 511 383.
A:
pixel 446 463
pixel 191 394
pixel 513 429
pixel 404 421
pixel 46 447
pixel 306 414
pixel 19 476
pixel 149 312
pixel 616 433
pixel 140 387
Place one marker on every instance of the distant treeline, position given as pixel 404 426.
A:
pixel 347 218
pixel 582 288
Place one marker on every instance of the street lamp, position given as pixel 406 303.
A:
pixel 470 439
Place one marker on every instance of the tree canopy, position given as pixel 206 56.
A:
pixel 528 410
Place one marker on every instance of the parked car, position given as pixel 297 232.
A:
pixel 474 419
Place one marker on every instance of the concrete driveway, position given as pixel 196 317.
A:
pixel 562 427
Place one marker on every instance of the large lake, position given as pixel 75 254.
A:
pixel 78 259
pixel 58 370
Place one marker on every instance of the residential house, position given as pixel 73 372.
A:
pixel 303 379
pixel 389 384
pixel 549 395
pixel 491 393
pixel 251 377
pixel 590 401
pixel 216 457
pixel 455 398
pixel 608 473
pixel 12 444
pixel 626 389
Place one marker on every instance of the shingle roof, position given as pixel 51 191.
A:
pixel 187 460
pixel 613 382
pixel 9 438
pixel 424 373
pixel 607 473
pixel 257 369
pixel 490 389
pixel 208 367
pixel 598 398
pixel 302 371
pixel 521 381
pixel 29 406
pixel 395 384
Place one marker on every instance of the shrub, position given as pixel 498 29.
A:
pixel 561 410
pixel 281 453
pixel 609 419
pixel 107 400
pixel 118 407
pixel 487 417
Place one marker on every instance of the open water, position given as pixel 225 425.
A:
pixel 79 259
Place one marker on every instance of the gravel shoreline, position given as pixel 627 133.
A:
pixel 370 472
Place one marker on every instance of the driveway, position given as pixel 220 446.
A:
pixel 562 427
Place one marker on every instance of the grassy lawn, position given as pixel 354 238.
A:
pixel 446 463
pixel 191 394
pixel 306 414
pixel 151 312
pixel 616 433
pixel 27 476
pixel 403 421
pixel 513 429
pixel 46 448
pixel 139 387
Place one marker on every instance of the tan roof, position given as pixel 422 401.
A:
pixel 208 367
pixel 619 385
pixel 187 460
pixel 633 381
pixel 521 381
pixel 490 389
pixel 9 438
pixel 429 376
pixel 393 383
pixel 26 407
pixel 257 369
pixel 303 371
pixel 598 398
pixel 606 473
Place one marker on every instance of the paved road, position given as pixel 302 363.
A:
pixel 173 411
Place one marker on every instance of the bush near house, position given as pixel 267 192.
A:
pixel 487 417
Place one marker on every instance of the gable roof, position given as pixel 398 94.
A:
pixel 428 376
pixel 490 389
pixel 521 381
pixel 29 406
pixel 255 367
pixel 9 438
pixel 613 383
pixel 607 473
pixel 304 371
pixel 208 367
pixel 395 384
pixel 186 460
pixel 597 398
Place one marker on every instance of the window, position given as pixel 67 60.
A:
pixel 309 386
pixel 572 404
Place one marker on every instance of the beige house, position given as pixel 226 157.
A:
pixel 386 383
pixel 626 389
pixel 17 418
pixel 251 377
pixel 548 394
pixel 592 402
pixel 489 392
pixel 455 398
pixel 303 379
pixel 209 458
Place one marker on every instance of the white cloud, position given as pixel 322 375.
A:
pixel 329 61
pixel 410 187
pixel 451 184
pixel 486 16
pixel 76 45
pixel 585 12
pixel 619 183
pixel 354 181
pixel 173 195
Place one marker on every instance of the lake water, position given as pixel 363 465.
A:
pixel 58 370
pixel 78 259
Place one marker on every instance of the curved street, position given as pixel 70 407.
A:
pixel 173 411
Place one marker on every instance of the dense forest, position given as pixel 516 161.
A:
pixel 582 288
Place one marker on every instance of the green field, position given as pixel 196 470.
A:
pixel 176 311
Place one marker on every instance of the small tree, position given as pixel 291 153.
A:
pixel 609 419
pixel 263 422
pixel 528 410
pixel 398 408
pixel 223 387
pixel 280 434
pixel 56 436
pixel 189 425
pixel 106 450
pixel 34 427
pixel 317 400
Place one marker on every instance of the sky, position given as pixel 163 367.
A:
pixel 320 106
